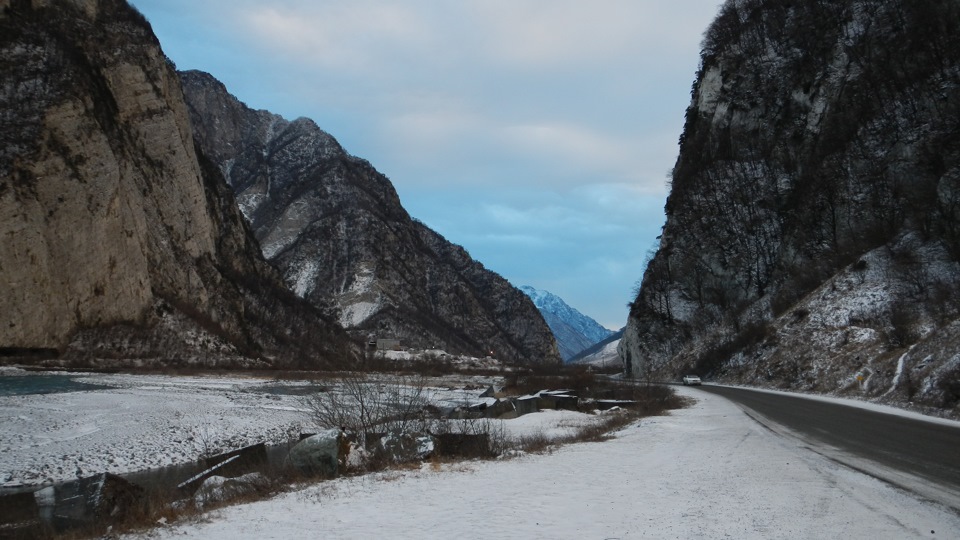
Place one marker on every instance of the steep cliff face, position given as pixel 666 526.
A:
pixel 813 226
pixel 117 241
pixel 336 229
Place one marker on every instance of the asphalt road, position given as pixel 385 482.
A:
pixel 926 450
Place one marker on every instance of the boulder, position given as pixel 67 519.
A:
pixel 401 446
pixel 218 488
pixel 318 454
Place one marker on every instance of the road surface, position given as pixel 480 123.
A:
pixel 922 456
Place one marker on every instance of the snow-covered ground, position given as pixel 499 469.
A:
pixel 140 422
pixel 708 471
pixel 703 472
pixel 147 421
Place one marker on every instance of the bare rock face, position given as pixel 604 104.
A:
pixel 117 241
pixel 813 226
pixel 336 229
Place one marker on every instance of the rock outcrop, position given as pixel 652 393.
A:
pixel 336 229
pixel 813 226
pixel 119 242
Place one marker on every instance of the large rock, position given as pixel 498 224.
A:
pixel 217 489
pixel 404 446
pixel 320 454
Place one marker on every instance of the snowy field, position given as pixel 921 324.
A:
pixel 140 422
pixel 148 421
pixel 703 472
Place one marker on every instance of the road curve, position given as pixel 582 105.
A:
pixel 926 450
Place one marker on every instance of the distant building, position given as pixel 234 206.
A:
pixel 388 344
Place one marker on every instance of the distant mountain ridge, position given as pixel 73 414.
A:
pixel 574 330
pixel 335 228
pixel 601 353
pixel 605 355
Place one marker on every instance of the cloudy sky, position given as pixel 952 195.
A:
pixel 537 134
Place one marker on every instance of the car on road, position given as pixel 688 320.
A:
pixel 691 380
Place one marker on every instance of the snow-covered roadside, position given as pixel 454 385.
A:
pixel 703 472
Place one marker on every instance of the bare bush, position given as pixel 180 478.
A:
pixel 902 331
pixel 536 442
pixel 363 405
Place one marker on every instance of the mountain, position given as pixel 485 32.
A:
pixel 813 225
pixel 574 330
pixel 335 228
pixel 119 243
pixel 602 353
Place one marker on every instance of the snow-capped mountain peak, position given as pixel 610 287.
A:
pixel 573 330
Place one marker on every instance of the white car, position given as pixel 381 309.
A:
pixel 691 380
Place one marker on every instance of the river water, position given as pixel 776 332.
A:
pixel 22 385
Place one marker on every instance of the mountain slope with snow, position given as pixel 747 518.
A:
pixel 604 354
pixel 335 228
pixel 574 330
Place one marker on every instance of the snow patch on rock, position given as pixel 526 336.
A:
pixel 288 228
pixel 362 300
pixel 249 201
pixel 305 278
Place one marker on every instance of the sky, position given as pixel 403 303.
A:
pixel 537 134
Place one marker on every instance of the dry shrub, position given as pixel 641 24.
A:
pixel 535 442
pixel 362 405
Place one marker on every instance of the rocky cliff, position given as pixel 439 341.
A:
pixel 119 243
pixel 336 229
pixel 813 225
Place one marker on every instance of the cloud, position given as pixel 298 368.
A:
pixel 561 34
pixel 568 142
pixel 489 91
pixel 588 245
pixel 603 156
pixel 511 34
pixel 359 35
